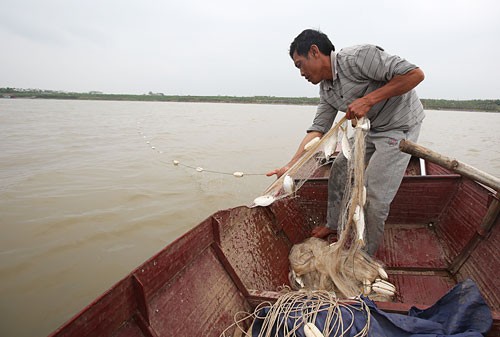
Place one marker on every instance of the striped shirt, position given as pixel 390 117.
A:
pixel 358 71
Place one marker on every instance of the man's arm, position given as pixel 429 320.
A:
pixel 397 86
pixel 308 137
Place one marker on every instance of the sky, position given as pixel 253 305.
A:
pixel 239 48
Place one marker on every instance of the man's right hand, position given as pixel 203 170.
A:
pixel 279 171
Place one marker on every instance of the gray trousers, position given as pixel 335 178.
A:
pixel 385 169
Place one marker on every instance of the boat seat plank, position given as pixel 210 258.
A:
pixel 422 199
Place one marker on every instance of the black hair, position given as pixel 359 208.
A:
pixel 307 38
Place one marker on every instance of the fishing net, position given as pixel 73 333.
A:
pixel 348 272
pixel 317 153
pixel 343 267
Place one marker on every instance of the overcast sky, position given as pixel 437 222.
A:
pixel 240 48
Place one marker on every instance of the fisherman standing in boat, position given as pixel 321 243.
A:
pixel 363 81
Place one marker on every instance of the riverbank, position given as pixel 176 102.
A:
pixel 490 105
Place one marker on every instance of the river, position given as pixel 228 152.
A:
pixel 88 190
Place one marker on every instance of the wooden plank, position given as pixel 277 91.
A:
pixel 422 199
pixel 129 329
pixel 420 289
pixel 483 265
pixel 200 300
pixel 159 269
pixel 290 218
pixel 415 246
pixel 105 315
pixel 255 248
pixel 463 217
pixel 312 199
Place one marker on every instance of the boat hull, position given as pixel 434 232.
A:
pixel 443 228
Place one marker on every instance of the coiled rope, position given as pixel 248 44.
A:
pixel 293 310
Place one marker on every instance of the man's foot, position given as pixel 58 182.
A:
pixel 321 232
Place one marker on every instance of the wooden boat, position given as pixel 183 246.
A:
pixel 443 228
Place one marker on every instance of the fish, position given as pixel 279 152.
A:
pixel 330 145
pixel 288 184
pixel 346 147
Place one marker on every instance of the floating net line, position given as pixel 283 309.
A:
pixel 319 151
pixel 175 162
pixel 299 313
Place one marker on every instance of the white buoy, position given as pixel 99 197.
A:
pixel 422 167
pixel 311 330
pixel 199 169
pixel 238 174
pixel 382 273
pixel 176 162
pixel 264 200
pixel 311 143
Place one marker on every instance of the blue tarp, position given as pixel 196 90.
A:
pixel 462 312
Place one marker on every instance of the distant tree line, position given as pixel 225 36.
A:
pixel 467 105
pixel 489 105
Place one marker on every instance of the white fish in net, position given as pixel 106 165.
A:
pixel 317 150
pixel 346 147
pixel 330 146
pixel 359 221
pixel 288 184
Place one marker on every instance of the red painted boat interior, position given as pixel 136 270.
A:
pixel 443 228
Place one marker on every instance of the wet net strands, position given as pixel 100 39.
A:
pixel 307 164
pixel 344 267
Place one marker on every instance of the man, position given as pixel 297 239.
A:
pixel 362 81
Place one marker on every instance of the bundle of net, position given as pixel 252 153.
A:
pixel 343 266
pixel 304 313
